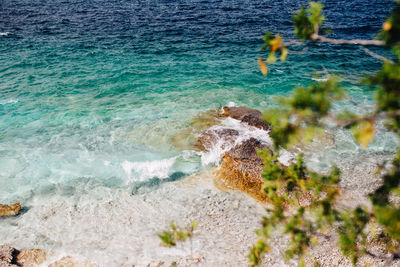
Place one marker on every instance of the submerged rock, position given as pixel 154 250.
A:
pixel 241 168
pixel 6 210
pixel 210 137
pixel 72 262
pixel 31 257
pixel 187 138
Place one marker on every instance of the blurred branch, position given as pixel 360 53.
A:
pixel 370 117
pixel 357 104
pixel 323 39
pixel 293 42
pixel 372 54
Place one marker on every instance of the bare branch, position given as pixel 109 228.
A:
pixel 319 38
pixel 292 42
pixel 357 104
pixel 370 117
pixel 372 54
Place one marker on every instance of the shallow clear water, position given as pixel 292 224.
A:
pixel 92 92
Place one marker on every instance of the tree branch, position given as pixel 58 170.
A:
pixel 370 117
pixel 292 42
pixel 323 39
pixel 372 54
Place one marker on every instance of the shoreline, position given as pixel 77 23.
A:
pixel 118 227
pixel 226 223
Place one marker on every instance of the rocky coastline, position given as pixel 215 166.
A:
pixel 241 166
pixel 227 218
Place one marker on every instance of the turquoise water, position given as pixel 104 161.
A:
pixel 93 92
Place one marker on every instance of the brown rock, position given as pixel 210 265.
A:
pixel 238 112
pixel 6 253
pixel 72 262
pixel 211 137
pixel 255 121
pixel 31 257
pixel 7 264
pixel 250 116
pixel 241 168
pixel 6 210
pixel 10 257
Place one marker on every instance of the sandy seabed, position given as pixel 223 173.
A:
pixel 113 227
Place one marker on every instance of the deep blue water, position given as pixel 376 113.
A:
pixel 88 85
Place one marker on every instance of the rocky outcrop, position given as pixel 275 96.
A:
pixel 11 210
pixel 187 139
pixel 250 116
pixel 241 168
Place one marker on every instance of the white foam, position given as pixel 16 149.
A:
pixel 8 101
pixel 4 33
pixel 149 169
pixel 214 153
pixel 231 104
pixel 223 144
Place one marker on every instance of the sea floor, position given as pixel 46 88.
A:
pixel 113 228
pixel 117 228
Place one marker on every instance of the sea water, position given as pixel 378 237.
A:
pixel 93 92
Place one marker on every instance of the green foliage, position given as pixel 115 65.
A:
pixel 386 212
pixel 304 203
pixel 256 252
pixel 306 24
pixel 275 45
pixel 391 28
pixel 351 230
pixel 307 21
pixel 315 15
pixel 306 104
pixel 169 238
pixel 387 80
pixel 295 193
pixel 268 37
pixel 303 28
